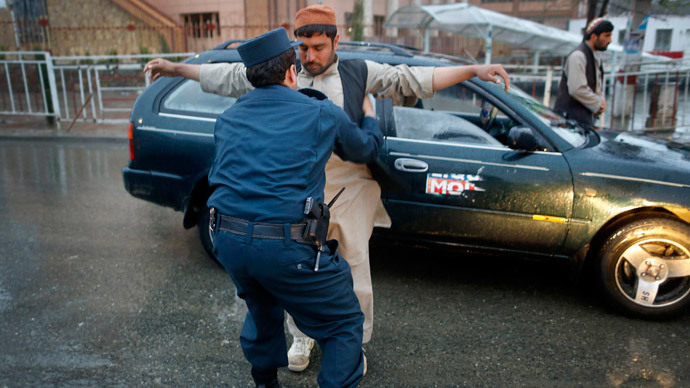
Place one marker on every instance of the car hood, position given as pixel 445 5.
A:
pixel 648 142
pixel 641 157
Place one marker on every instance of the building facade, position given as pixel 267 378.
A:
pixel 87 27
pixel 78 27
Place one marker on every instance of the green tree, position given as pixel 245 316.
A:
pixel 357 22
pixel 674 6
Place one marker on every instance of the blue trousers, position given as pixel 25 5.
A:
pixel 274 276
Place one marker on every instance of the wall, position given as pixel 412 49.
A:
pixel 80 27
pixel 7 30
pixel 231 14
pixel 554 13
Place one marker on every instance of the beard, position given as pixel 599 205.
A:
pixel 600 45
pixel 320 67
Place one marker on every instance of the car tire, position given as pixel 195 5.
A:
pixel 644 268
pixel 205 234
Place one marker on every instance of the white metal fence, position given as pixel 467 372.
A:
pixel 103 89
pixel 30 84
pixel 100 89
pixel 653 98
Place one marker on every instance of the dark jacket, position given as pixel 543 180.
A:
pixel 565 103
pixel 353 76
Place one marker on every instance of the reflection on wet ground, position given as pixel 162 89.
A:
pixel 98 288
pixel 50 165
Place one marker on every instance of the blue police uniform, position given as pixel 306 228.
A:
pixel 271 150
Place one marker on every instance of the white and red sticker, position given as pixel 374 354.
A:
pixel 451 184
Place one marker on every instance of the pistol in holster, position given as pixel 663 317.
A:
pixel 317 218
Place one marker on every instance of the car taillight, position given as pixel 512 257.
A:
pixel 131 141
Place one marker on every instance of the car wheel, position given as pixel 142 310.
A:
pixel 205 234
pixel 645 268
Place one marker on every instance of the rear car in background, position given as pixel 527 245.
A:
pixel 486 170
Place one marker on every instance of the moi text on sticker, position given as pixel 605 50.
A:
pixel 451 184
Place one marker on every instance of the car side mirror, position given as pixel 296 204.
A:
pixel 523 139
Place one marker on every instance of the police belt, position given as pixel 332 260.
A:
pixel 264 230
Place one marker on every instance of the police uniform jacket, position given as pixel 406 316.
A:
pixel 272 146
pixel 345 83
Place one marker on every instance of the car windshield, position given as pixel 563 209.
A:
pixel 570 132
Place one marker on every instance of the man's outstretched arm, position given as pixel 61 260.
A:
pixel 163 68
pixel 451 75
pixel 225 79
pixel 396 82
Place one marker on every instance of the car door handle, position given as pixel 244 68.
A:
pixel 410 165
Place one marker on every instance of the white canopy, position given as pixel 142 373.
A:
pixel 476 22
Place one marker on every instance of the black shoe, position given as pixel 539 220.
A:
pixel 273 384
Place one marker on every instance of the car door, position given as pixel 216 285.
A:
pixel 467 186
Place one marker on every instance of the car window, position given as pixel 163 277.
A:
pixel 420 124
pixel 566 130
pixel 456 114
pixel 188 97
pixel 457 99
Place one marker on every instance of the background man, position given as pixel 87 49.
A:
pixel 346 83
pixel 581 90
pixel 260 187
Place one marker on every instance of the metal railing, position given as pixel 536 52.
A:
pixel 653 98
pixel 30 87
pixel 100 89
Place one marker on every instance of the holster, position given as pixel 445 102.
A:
pixel 317 221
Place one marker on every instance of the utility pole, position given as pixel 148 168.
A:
pixel 635 35
pixel 632 55
pixel 15 27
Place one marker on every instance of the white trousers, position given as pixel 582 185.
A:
pixel 352 223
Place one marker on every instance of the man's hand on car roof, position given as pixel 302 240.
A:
pixel 494 73
pixel 159 67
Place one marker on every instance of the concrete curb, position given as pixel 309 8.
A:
pixel 36 127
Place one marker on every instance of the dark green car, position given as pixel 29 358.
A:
pixel 485 169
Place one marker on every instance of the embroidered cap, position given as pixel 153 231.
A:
pixel 315 14
pixel 265 46
pixel 594 24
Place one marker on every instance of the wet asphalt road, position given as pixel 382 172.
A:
pixel 98 288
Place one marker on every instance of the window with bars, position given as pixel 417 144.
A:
pixel 379 21
pixel 662 42
pixel 202 25
pixel 31 17
pixel 621 36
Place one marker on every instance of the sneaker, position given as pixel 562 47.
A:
pixel 298 355
pixel 364 372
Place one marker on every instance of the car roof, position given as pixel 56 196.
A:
pixel 378 52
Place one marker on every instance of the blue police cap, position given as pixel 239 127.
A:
pixel 265 46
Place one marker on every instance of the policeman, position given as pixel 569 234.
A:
pixel 267 178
